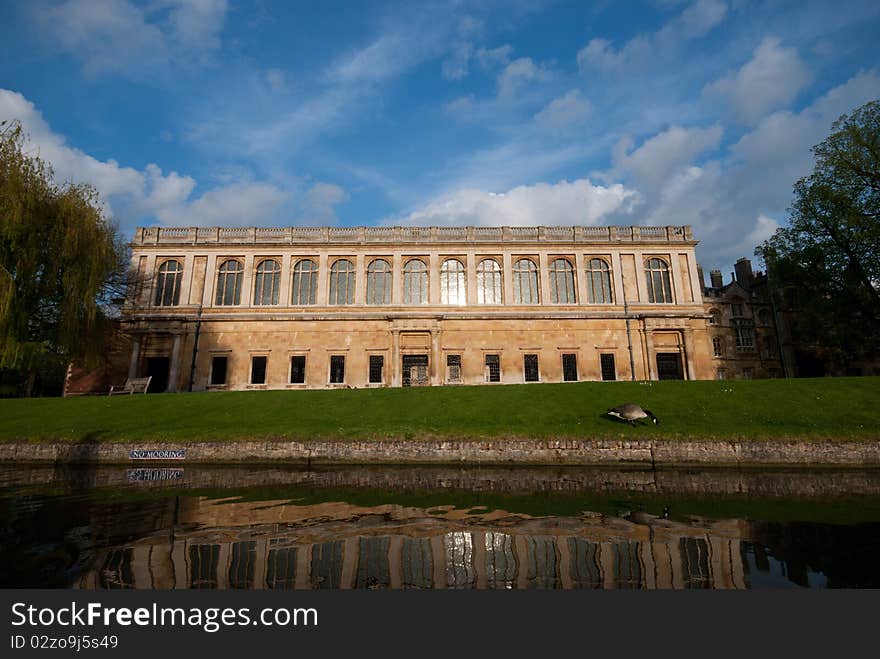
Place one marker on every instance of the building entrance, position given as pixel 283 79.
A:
pixel 415 371
pixel 157 368
pixel 669 366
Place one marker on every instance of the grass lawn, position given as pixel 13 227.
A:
pixel 826 408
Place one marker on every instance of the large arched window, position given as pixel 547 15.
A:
pixel 168 284
pixel 342 282
pixel 266 282
pixel 379 282
pixel 525 282
pixel 657 276
pixel 488 282
pixel 305 282
pixel 562 282
pixel 598 282
pixel 415 282
pixel 229 278
pixel 452 282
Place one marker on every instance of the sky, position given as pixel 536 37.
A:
pixel 515 112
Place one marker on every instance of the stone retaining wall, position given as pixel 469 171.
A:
pixel 477 452
pixel 754 482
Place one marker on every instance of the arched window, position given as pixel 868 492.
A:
pixel 764 317
pixel 717 347
pixel 305 282
pixel 488 282
pixel 342 282
pixel 562 282
pixel 415 282
pixel 379 282
pixel 657 275
pixel 525 282
pixel 168 284
pixel 229 283
pixel 598 282
pixel 452 283
pixel 266 282
pixel 714 317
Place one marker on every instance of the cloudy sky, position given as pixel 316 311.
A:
pixel 253 112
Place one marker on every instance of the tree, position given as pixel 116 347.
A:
pixel 829 255
pixel 60 259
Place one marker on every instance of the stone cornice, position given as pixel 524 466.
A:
pixel 250 316
pixel 408 236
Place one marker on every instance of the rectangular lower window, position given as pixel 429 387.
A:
pixel 258 369
pixel 337 369
pixel 493 368
pixel 298 369
pixel 453 368
pixel 569 367
pixel 530 368
pixel 218 370
pixel 609 372
pixel 377 365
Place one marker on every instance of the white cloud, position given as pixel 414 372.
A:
pixel 764 228
pixel 567 111
pixel 779 145
pixel 133 196
pixel 124 189
pixel 457 65
pixel 119 36
pixel 518 74
pixel 277 80
pixel 318 207
pixel 461 107
pixel 769 80
pixel 695 21
pixel 386 57
pixel 329 100
pixel 663 154
pixel 239 204
pixel 566 203
pixel 197 23
pixel 166 190
pixel 733 199
pixel 494 58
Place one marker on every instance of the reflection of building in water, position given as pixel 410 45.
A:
pixel 337 546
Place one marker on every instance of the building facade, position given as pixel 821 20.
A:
pixel 746 332
pixel 296 307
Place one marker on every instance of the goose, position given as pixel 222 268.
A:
pixel 630 412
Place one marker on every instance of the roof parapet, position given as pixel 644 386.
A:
pixel 379 235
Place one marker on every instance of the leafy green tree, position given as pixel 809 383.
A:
pixel 826 263
pixel 60 260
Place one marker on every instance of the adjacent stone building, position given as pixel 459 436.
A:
pixel 295 307
pixel 747 334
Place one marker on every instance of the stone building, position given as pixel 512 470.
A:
pixel 295 307
pixel 747 334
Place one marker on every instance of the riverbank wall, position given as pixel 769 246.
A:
pixel 535 452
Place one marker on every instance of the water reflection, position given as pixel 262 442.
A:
pixel 58 533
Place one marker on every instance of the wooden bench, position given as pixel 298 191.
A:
pixel 131 386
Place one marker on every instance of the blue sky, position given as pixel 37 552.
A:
pixel 264 113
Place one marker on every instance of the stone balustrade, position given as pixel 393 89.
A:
pixel 389 235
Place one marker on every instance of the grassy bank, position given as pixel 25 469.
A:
pixel 827 408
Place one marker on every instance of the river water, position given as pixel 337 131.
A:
pixel 253 527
